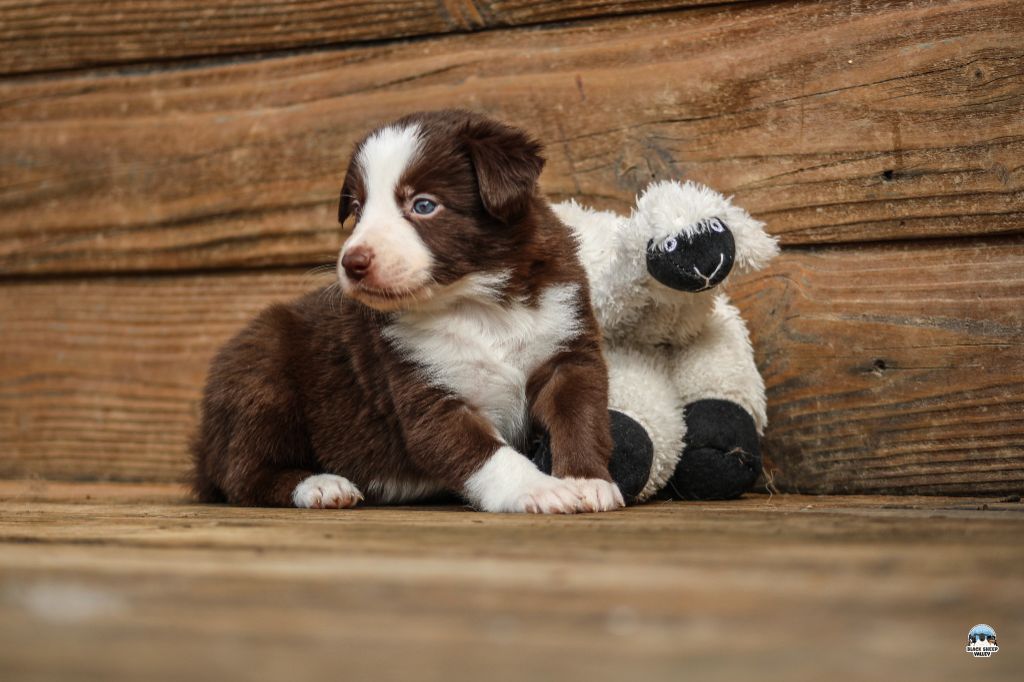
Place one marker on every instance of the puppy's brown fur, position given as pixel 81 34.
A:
pixel 316 387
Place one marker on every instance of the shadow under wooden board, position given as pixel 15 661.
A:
pixel 894 368
pixel 832 121
pixel 54 34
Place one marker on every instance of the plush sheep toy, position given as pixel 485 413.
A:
pixel 687 401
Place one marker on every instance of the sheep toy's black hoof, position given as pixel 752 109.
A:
pixel 722 456
pixel 632 455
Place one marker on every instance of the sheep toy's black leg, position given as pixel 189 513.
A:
pixel 721 454
pixel 632 455
pixel 721 457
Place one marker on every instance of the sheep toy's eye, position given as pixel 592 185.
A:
pixel 423 206
pixel 717 225
pixel 669 245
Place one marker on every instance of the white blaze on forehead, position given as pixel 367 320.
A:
pixel 384 157
pixel 401 259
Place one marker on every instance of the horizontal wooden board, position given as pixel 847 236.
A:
pixel 124 587
pixel 890 368
pixel 28 491
pixel 832 121
pixel 42 35
pixel 894 368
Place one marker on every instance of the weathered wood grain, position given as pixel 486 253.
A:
pixel 832 121
pixel 100 377
pixel 890 368
pixel 41 35
pixel 97 589
pixel 894 368
pixel 29 491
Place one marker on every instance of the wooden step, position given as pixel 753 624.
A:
pixel 122 583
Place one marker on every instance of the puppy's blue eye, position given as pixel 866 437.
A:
pixel 669 245
pixel 423 206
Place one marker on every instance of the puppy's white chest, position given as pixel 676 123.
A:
pixel 486 352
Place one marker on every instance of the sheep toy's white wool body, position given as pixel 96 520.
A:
pixel 669 348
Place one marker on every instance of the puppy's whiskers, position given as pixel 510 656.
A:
pixel 318 273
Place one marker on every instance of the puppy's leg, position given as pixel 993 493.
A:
pixel 253 458
pixel 269 463
pixel 253 445
pixel 569 398
pixel 454 444
pixel 509 482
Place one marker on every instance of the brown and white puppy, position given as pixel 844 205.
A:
pixel 463 329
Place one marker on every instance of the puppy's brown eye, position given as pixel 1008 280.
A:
pixel 423 206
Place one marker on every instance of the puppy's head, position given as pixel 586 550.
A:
pixel 439 202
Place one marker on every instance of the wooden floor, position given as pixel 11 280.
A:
pixel 105 582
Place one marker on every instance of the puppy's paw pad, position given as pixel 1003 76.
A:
pixel 598 495
pixel 326 491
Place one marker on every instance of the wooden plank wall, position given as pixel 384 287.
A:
pixel 166 171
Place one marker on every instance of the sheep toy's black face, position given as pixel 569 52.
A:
pixel 693 260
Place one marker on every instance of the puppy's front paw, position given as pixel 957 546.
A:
pixel 326 491
pixel 550 496
pixel 597 495
pixel 509 482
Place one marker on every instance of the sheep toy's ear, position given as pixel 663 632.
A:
pixel 754 246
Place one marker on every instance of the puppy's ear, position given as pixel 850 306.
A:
pixel 507 163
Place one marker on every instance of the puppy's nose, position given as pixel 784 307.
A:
pixel 357 262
